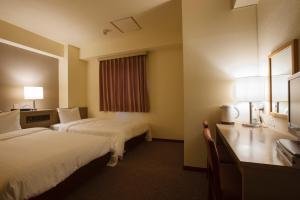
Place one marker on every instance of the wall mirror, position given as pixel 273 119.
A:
pixel 283 62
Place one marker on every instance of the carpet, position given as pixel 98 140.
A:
pixel 149 171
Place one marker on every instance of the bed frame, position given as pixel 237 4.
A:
pixel 75 180
pixel 133 142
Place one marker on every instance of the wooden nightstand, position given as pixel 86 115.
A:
pixel 38 118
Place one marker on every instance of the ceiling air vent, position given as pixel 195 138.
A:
pixel 126 25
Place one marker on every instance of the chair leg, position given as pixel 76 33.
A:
pixel 209 191
pixel 210 196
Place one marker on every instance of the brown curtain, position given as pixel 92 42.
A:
pixel 123 84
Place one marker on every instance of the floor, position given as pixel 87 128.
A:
pixel 150 171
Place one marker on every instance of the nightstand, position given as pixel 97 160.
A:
pixel 38 118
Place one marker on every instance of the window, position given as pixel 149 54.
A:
pixel 123 84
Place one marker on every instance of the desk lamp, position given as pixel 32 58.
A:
pixel 250 89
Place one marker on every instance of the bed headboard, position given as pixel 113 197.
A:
pixel 83 112
pixel 38 118
pixel 44 118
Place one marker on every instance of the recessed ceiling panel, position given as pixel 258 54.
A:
pixel 126 25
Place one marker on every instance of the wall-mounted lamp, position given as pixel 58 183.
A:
pixel 33 93
pixel 250 89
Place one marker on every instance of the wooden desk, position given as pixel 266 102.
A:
pixel 264 175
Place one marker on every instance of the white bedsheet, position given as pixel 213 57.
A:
pixel 119 130
pixel 34 160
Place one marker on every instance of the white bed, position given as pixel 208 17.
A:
pixel 35 160
pixel 119 130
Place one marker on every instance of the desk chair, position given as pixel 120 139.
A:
pixel 224 179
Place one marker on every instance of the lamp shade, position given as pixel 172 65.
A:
pixel 33 93
pixel 250 89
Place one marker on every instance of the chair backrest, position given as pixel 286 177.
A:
pixel 213 163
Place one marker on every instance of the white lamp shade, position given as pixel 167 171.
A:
pixel 250 89
pixel 280 88
pixel 33 93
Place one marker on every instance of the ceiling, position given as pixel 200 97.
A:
pixel 244 3
pixel 80 22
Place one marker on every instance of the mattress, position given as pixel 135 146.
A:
pixel 119 130
pixel 35 160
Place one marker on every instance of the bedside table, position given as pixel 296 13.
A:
pixel 38 118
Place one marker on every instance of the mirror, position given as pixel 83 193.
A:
pixel 283 62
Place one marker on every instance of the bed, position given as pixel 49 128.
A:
pixel 119 130
pixel 34 160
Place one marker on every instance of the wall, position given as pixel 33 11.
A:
pixel 63 79
pixel 72 79
pixel 278 23
pixel 72 70
pixel 163 42
pixel 76 78
pixel 165 85
pixel 19 68
pixel 218 44
pixel 21 36
pixel 161 26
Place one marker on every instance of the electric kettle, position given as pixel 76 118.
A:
pixel 228 114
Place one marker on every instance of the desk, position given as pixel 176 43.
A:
pixel 264 175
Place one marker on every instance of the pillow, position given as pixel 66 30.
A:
pixel 68 114
pixel 10 121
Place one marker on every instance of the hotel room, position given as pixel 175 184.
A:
pixel 153 99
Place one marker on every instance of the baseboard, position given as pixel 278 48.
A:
pixel 197 169
pixel 167 140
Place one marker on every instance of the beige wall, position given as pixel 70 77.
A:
pixel 165 84
pixel 63 80
pixel 161 26
pixel 76 78
pixel 19 68
pixel 21 36
pixel 72 79
pixel 218 44
pixel 278 23
pixel 165 75
pixel 72 70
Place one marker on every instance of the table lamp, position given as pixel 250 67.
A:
pixel 33 93
pixel 250 89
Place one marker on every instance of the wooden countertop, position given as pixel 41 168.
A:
pixel 253 146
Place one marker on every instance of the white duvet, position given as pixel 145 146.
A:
pixel 35 160
pixel 119 130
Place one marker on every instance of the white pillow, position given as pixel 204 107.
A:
pixel 10 121
pixel 68 114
